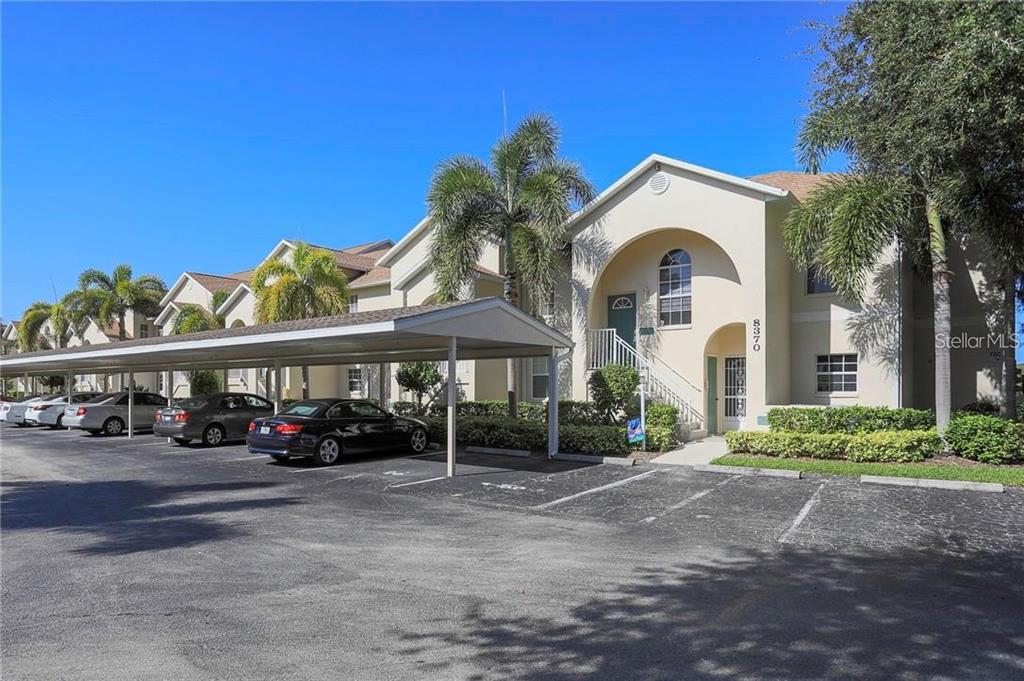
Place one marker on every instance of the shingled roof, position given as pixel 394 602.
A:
pixel 796 183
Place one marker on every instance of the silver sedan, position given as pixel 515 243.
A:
pixel 108 413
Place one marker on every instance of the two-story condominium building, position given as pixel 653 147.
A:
pixel 681 272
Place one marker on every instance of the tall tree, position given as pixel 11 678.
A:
pixel 111 296
pixel 36 318
pixel 907 91
pixel 521 199
pixel 309 284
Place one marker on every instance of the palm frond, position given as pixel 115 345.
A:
pixel 267 271
pixel 95 278
pixel 846 224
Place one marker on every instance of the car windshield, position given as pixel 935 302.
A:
pixel 191 402
pixel 102 398
pixel 302 409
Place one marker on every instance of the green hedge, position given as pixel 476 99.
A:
pixel 848 419
pixel 570 412
pixel 986 438
pixel 523 434
pixel 899 446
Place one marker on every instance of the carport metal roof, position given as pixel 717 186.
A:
pixel 480 329
pixel 483 329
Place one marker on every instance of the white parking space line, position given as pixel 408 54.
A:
pixel 802 515
pixel 243 458
pixel 617 483
pixel 417 482
pixel 321 469
pixel 689 500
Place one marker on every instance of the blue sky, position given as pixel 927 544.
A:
pixel 194 136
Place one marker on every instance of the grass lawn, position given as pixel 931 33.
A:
pixel 942 469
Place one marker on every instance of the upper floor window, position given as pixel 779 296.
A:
pixel 143 330
pixel 353 303
pixel 675 294
pixel 817 282
pixel 546 309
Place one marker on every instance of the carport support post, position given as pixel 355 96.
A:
pixel 169 385
pixel 131 403
pixel 552 405
pixel 71 382
pixel 452 397
pixel 277 387
pixel 224 375
pixel 380 386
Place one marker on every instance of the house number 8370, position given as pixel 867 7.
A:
pixel 756 333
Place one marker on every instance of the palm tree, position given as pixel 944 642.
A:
pixel 310 284
pixel 30 333
pixel 521 200
pixel 193 318
pixel 110 297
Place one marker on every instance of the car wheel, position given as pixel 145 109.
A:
pixel 182 440
pixel 328 451
pixel 113 426
pixel 418 440
pixel 213 435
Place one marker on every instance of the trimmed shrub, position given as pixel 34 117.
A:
pixel 981 407
pixel 598 440
pixel 404 408
pixel 787 444
pixel 661 415
pixel 571 412
pixel 986 438
pixel 660 438
pixel 612 388
pixel 848 419
pixel 533 435
pixel 898 446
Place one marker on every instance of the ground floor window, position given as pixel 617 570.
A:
pixel 355 380
pixel 837 373
pixel 539 378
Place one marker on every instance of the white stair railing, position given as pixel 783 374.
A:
pixel 605 346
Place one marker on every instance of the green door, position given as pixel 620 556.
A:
pixel 712 395
pixel 622 316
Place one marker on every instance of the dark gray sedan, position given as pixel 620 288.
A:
pixel 211 419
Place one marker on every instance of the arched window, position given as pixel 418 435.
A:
pixel 675 296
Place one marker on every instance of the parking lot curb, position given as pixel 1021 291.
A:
pixel 746 470
pixel 522 453
pixel 961 485
pixel 614 460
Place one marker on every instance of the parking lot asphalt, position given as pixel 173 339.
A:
pixel 137 559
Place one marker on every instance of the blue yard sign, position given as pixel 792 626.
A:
pixel 635 431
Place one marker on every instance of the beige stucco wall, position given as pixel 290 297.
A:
pixel 618 249
pixel 976 368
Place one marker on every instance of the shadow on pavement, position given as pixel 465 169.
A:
pixel 786 615
pixel 130 516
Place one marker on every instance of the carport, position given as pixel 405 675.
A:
pixel 489 328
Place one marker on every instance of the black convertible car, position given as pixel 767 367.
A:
pixel 326 429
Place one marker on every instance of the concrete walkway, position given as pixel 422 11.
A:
pixel 700 451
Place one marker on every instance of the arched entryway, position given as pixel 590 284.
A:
pixel 725 379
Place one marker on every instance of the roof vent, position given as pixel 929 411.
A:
pixel 658 183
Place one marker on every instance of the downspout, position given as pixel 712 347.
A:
pixel 553 363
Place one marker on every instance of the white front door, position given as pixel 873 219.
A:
pixel 735 392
